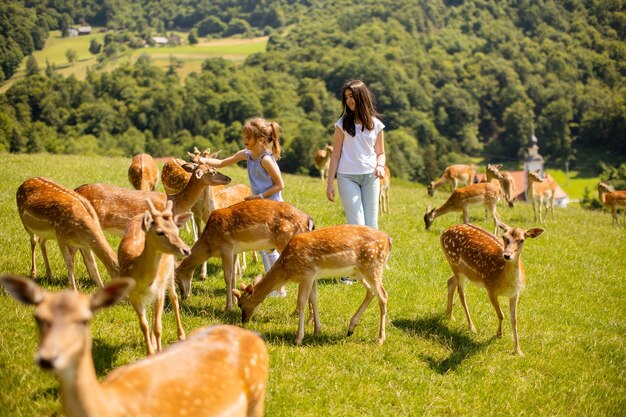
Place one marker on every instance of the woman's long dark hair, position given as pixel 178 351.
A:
pixel 364 109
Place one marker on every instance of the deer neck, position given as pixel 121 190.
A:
pixel 602 196
pixel 81 393
pixel 184 200
pixel 210 198
pixel 272 280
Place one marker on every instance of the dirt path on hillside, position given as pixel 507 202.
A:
pixel 230 41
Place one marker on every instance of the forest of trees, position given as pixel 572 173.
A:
pixel 451 78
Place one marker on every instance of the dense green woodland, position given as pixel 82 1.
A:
pixel 452 79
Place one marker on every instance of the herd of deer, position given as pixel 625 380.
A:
pixel 223 370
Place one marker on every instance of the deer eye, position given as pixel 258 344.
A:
pixel 160 232
pixel 42 324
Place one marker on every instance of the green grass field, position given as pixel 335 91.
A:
pixel 572 316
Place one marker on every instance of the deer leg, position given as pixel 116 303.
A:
pixel 313 310
pixel 513 310
pixel 44 253
pixel 465 214
pixel 304 292
pixel 461 290
pixel 92 268
pixel 382 303
pixel 68 257
pixel 33 263
pixel 143 325
pixel 452 284
pixel 370 293
pixel 496 305
pixel 157 319
pixel 228 261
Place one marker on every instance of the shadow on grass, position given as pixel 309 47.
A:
pixel 104 356
pixel 434 328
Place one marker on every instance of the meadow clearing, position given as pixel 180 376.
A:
pixel 572 316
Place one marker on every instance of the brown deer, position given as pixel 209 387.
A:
pixel 353 250
pixel 116 206
pixel 478 256
pixel 249 225
pixel 612 200
pixel 322 159
pixel 541 192
pixel 143 172
pixel 453 175
pixel 487 193
pixel 51 211
pixel 173 176
pixel 505 179
pixel 217 371
pixel 146 254
pixel 383 197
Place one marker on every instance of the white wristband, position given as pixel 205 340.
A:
pixel 260 195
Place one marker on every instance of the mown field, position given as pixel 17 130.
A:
pixel 188 58
pixel 572 316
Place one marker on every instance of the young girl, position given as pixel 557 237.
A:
pixel 262 150
pixel 358 157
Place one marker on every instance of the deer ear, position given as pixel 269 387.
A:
pixel 249 290
pixel 23 290
pixel 147 221
pixel 181 219
pixel 111 293
pixel 236 293
pixel 502 226
pixel 535 232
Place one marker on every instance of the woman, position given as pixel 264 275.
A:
pixel 359 157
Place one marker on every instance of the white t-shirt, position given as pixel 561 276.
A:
pixel 358 153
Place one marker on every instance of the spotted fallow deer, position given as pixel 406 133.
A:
pixel 453 175
pixel 541 192
pixel 351 250
pixel 478 256
pixel 487 193
pixel 116 206
pixel 217 371
pixel 143 172
pixel 249 225
pixel 383 197
pixel 506 181
pixel 322 159
pixel 146 254
pixel 51 211
pixel 612 200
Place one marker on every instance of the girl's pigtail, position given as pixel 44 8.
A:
pixel 275 139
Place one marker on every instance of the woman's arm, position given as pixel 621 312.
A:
pixel 334 163
pixel 381 159
pixel 219 163
pixel 270 166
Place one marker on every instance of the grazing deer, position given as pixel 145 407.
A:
pixel 506 181
pixel 143 172
pixel 478 256
pixel 487 193
pixel 146 254
pixel 454 174
pixel 612 200
pixel 383 197
pixel 331 251
pixel 217 371
pixel 541 192
pixel 116 206
pixel 51 211
pixel 322 160
pixel 249 225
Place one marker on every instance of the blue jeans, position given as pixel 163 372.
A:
pixel 359 197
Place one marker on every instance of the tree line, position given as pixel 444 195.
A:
pixel 451 78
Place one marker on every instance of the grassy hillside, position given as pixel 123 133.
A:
pixel 189 57
pixel 572 317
